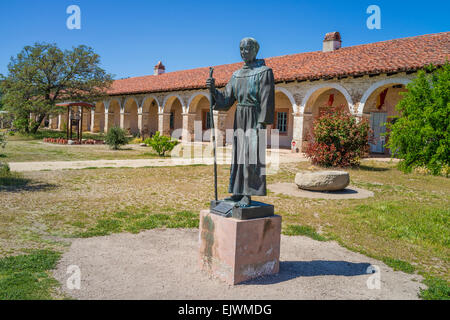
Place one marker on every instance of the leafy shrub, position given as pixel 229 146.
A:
pixel 115 138
pixel 420 135
pixel 2 140
pixel 161 144
pixel 339 140
pixel 137 141
pixel 4 169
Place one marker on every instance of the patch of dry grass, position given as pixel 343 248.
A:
pixel 406 220
pixel 36 150
pixel 20 149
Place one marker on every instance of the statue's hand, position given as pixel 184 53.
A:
pixel 211 85
pixel 260 126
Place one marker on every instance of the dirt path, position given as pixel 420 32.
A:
pixel 162 264
pixel 278 157
pixel 281 157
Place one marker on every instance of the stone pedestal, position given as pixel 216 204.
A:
pixel 239 250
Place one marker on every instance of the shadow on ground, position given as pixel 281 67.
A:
pixel 345 191
pixel 17 184
pixel 294 269
pixel 363 167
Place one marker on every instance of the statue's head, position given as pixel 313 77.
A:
pixel 249 48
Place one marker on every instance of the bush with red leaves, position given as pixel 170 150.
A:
pixel 338 139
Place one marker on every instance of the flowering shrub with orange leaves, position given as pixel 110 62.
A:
pixel 338 139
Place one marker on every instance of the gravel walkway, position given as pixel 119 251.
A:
pixel 282 157
pixel 162 264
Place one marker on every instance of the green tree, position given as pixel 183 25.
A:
pixel 420 135
pixel 42 75
pixel 116 137
pixel 1 101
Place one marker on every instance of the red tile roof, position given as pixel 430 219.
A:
pixel 406 54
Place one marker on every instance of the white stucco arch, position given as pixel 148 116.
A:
pixel 195 95
pixel 336 86
pixel 170 96
pixel 113 112
pixel 108 103
pixel 150 97
pixel 126 101
pixel 377 85
pixel 289 96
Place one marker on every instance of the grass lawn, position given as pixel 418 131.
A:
pixel 406 224
pixel 26 277
pixel 26 148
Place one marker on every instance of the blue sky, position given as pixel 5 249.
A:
pixel 131 36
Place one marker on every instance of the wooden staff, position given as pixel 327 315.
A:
pixel 211 104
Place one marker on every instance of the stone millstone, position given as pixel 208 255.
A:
pixel 322 180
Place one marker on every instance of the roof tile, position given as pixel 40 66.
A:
pixel 397 55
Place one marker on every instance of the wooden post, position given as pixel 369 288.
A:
pixel 211 109
pixel 80 136
pixel 71 129
pixel 67 123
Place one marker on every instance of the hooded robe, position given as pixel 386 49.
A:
pixel 253 88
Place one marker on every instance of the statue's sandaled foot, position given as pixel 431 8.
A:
pixel 234 198
pixel 245 201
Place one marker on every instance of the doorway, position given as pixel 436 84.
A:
pixel 377 123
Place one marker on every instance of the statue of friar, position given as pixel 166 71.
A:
pixel 253 88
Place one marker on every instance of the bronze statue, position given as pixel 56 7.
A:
pixel 253 88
